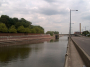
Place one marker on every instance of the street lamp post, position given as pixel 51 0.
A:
pixel 70 23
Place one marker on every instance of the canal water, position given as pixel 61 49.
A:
pixel 46 54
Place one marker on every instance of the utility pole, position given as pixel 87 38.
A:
pixel 80 28
pixel 70 23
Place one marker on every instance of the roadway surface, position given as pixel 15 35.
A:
pixel 84 43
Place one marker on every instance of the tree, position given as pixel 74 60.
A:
pixel 56 32
pixel 21 29
pixel 85 33
pixel 24 22
pixel 3 28
pixel 38 29
pixel 17 24
pixel 22 25
pixel 42 31
pixel 33 31
pixel 12 29
pixel 52 32
pixel 27 30
pixel 5 19
pixel 15 20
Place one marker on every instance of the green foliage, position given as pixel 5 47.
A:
pixel 3 28
pixel 22 25
pixel 12 29
pixel 37 29
pixel 27 30
pixel 56 32
pixel 5 19
pixel 52 32
pixel 21 29
pixel 25 23
pixel 33 31
pixel 85 33
pixel 14 21
pixel 42 31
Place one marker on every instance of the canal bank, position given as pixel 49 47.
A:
pixel 25 39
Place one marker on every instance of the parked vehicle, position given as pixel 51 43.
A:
pixel 88 35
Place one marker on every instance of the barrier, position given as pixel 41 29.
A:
pixel 85 57
pixel 66 56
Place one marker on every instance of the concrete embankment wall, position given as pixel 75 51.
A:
pixel 66 56
pixel 22 42
pixel 4 38
pixel 83 54
pixel 24 39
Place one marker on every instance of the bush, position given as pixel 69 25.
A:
pixel 21 29
pixel 3 28
pixel 12 29
pixel 27 30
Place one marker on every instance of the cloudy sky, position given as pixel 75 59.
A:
pixel 52 15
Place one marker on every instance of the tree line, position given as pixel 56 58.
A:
pixel 52 32
pixel 86 33
pixel 15 25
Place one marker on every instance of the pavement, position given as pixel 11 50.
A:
pixel 74 59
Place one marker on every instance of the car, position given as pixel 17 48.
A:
pixel 88 35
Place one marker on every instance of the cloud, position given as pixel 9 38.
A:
pixel 50 11
pixel 0 4
pixel 86 18
pixel 3 3
pixel 50 14
pixel 50 1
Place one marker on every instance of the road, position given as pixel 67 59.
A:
pixel 84 43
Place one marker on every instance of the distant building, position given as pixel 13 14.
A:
pixel 77 33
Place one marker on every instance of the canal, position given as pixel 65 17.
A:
pixel 47 54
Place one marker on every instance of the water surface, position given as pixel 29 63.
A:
pixel 46 54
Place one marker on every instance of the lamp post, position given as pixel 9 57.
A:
pixel 70 23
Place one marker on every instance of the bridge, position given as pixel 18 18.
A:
pixel 59 35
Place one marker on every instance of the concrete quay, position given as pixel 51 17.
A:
pixel 20 40
pixel 72 57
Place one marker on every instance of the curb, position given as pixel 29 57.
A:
pixel 66 56
pixel 85 57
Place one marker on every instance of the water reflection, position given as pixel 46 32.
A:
pixel 46 54
pixel 54 40
pixel 13 53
